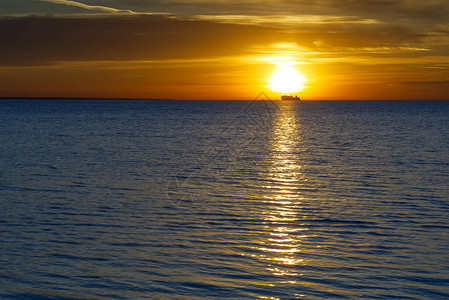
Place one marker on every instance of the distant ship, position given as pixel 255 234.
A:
pixel 285 97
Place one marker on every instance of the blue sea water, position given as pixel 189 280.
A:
pixel 126 199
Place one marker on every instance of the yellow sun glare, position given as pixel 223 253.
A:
pixel 286 79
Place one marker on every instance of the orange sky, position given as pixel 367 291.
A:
pixel 384 49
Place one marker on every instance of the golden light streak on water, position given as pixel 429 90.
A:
pixel 283 248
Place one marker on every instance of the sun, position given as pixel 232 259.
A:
pixel 286 79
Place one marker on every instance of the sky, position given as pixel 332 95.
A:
pixel 224 49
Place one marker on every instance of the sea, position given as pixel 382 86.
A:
pixel 262 199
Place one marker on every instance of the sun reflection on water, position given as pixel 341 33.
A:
pixel 283 246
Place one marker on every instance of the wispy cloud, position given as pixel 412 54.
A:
pixel 88 7
pixel 287 20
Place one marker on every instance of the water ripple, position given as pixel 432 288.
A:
pixel 324 200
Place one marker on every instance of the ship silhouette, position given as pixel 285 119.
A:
pixel 290 97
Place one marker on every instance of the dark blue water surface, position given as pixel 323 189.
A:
pixel 224 199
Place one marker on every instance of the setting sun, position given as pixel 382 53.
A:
pixel 286 79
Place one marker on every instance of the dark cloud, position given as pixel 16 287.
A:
pixel 382 9
pixel 40 40
pixel 45 40
pixel 387 9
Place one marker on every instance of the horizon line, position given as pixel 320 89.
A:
pixel 173 99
